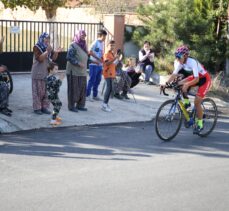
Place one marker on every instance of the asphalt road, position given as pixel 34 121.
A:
pixel 117 167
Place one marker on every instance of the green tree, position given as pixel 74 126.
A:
pixel 49 6
pixel 200 24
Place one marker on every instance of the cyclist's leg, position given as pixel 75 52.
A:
pixel 202 91
pixel 186 101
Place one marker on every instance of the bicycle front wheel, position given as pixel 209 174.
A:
pixel 210 115
pixel 168 120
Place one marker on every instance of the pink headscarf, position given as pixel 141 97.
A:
pixel 77 39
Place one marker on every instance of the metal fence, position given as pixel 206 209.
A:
pixel 20 36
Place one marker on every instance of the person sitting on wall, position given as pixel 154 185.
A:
pixel 146 61
pixel 122 82
pixel 133 72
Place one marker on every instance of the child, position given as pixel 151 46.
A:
pixel 110 61
pixel 53 85
pixel 95 66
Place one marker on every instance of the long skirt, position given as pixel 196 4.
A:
pixel 76 91
pixel 4 94
pixel 40 96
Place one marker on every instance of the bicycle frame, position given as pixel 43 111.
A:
pixel 180 103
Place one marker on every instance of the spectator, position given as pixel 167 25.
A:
pixel 122 81
pixel 53 84
pixel 110 60
pixel 76 70
pixel 146 61
pixel 95 66
pixel 4 93
pixel 132 72
pixel 43 53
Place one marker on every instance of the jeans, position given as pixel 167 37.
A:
pixel 109 89
pixel 148 71
pixel 95 76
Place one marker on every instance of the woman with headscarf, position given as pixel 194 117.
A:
pixel 76 70
pixel 42 55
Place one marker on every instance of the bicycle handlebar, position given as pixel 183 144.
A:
pixel 173 85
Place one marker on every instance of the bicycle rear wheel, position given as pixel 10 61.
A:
pixel 168 120
pixel 210 116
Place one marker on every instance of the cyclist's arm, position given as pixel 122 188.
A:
pixel 171 78
pixel 177 68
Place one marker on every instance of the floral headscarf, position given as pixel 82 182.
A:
pixel 40 44
pixel 77 39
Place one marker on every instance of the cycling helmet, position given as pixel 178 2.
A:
pixel 182 50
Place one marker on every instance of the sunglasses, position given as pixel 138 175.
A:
pixel 179 56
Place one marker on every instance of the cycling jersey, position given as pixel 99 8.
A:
pixel 192 67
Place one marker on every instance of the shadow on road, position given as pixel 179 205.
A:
pixel 114 142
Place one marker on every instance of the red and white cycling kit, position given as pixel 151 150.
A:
pixel 194 69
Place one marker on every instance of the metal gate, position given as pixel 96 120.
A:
pixel 21 36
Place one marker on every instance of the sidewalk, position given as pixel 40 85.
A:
pixel 148 99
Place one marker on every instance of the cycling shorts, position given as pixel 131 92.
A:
pixel 204 84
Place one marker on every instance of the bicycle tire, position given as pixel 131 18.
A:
pixel 210 116
pixel 175 115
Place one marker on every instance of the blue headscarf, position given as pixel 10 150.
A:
pixel 40 44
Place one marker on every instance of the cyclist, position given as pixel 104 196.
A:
pixel 195 75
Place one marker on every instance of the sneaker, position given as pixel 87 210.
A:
pixel 59 119
pixel 82 109
pixel 55 122
pixel 187 105
pixel 109 107
pixel 38 112
pixel 5 112
pixel 45 111
pixel 88 98
pixel 125 96
pixel 106 108
pixel 9 110
pixel 149 83
pixel 73 109
pixel 97 98
pixel 118 96
pixel 197 130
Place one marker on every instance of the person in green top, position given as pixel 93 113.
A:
pixel 76 70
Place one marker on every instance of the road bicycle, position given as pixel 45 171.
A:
pixel 170 114
pixel 6 76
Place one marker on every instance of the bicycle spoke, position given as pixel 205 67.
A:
pixel 209 117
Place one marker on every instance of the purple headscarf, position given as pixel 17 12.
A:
pixel 77 39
